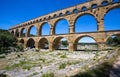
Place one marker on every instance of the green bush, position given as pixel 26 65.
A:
pixel 62 66
pixel 48 75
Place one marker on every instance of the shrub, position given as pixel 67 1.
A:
pixel 48 75
pixel 62 66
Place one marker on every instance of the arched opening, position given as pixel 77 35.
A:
pixel 12 32
pixel 115 1
pixel 112 19
pixel 83 8
pixel 94 6
pixel 67 12
pixel 75 11
pixel 85 43
pixel 23 32
pixel 17 33
pixel 22 41
pixel 85 23
pixel 54 16
pixel 61 27
pixel 113 41
pixel 61 14
pixel 43 43
pixel 104 3
pixel 31 43
pixel 32 31
pixel 60 43
pixel 45 29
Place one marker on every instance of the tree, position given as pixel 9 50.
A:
pixel 7 40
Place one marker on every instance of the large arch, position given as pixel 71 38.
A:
pixel 30 43
pixel 32 31
pixel 43 43
pixel 111 19
pixel 60 43
pixel 85 43
pixel 12 32
pixel 45 29
pixel 23 32
pixel 61 26
pixel 85 23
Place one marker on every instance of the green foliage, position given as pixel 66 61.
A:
pixel 6 40
pixel 48 75
pixel 63 56
pixel 114 41
pixel 62 66
pixel 2 56
pixel 65 43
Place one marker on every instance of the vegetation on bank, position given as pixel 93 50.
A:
pixel 8 42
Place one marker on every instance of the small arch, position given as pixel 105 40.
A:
pixel 75 11
pixel 61 26
pixel 83 8
pixel 104 3
pixel 68 12
pixel 49 17
pixel 85 43
pixel 31 43
pixel 54 16
pixel 60 43
pixel 12 32
pixel 115 1
pixel 43 43
pixel 94 6
pixel 61 14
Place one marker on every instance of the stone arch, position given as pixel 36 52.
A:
pixel 111 34
pixel 56 43
pixel 61 14
pixel 55 15
pixel 17 33
pixel 106 19
pixel 22 32
pixel 12 32
pixel 43 43
pixel 75 11
pixel 80 37
pixel 29 31
pixel 93 6
pixel 104 3
pixel 88 14
pixel 61 21
pixel 68 12
pixel 22 41
pixel 30 43
pixel 83 8
pixel 47 28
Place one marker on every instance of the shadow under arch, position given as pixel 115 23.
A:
pixel 61 26
pixel 30 43
pixel 60 43
pixel 89 44
pixel 43 43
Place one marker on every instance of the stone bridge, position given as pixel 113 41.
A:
pixel 96 8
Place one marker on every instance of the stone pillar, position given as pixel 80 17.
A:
pixel 101 25
pixel 36 45
pixel 51 30
pixel 71 47
pixel 51 46
pixel 101 46
pixel 25 44
pixel 71 29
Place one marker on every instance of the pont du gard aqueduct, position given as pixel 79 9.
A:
pixel 96 8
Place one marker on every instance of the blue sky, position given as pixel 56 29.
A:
pixel 13 12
